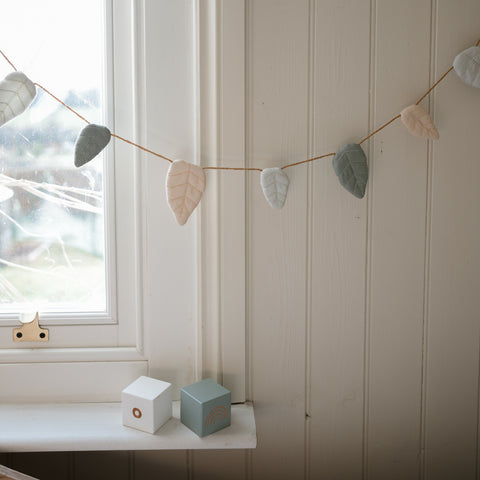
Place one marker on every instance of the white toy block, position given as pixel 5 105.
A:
pixel 147 404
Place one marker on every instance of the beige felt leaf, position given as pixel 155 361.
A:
pixel 418 122
pixel 17 92
pixel 185 186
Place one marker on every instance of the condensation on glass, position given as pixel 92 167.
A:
pixel 52 234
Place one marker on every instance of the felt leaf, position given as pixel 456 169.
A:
pixel 17 92
pixel 418 122
pixel 350 165
pixel 467 66
pixel 185 185
pixel 275 186
pixel 90 142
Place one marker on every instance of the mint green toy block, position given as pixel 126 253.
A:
pixel 205 407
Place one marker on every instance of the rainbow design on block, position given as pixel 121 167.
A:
pixel 216 413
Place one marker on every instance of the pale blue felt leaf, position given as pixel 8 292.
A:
pixel 275 186
pixel 467 66
pixel 350 165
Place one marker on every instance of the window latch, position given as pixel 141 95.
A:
pixel 30 332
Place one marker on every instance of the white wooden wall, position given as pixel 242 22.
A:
pixel 362 315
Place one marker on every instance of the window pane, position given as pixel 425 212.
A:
pixel 52 238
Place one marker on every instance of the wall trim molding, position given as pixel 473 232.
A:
pixel 220 140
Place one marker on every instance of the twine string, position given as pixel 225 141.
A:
pixel 6 58
pixel 64 104
pixel 308 160
pixel 378 129
pixel 434 85
pixel 234 168
pixel 141 148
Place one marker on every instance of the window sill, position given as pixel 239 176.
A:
pixel 98 426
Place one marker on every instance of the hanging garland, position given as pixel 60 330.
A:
pixel 185 182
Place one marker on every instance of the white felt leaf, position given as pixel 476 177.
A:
pixel 185 185
pixel 275 186
pixel 467 66
pixel 17 92
pixel 418 122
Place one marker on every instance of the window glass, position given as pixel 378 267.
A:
pixel 52 234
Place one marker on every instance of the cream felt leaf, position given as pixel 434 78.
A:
pixel 467 66
pixel 17 92
pixel 418 122
pixel 185 185
pixel 350 165
pixel 90 142
pixel 275 186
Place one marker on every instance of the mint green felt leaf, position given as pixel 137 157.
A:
pixel 350 165
pixel 274 183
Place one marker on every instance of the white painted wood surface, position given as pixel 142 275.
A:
pixel 361 314
pixel 452 337
pixel 104 382
pixel 98 426
pixel 398 203
pixel 337 243
pixel 276 247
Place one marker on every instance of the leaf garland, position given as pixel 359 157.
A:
pixel 185 182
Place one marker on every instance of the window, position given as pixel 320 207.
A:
pixel 77 265
pixel 179 308
pixel 52 216
pixel 52 240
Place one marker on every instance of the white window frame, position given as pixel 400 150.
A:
pixel 189 284
pixel 114 267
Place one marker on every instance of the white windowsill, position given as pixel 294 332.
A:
pixel 98 426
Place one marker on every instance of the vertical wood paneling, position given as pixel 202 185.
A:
pixel 232 126
pixel 341 84
pixel 101 465
pixel 398 196
pixel 453 331
pixel 44 466
pixel 172 355
pixel 166 464
pixel 219 465
pixel 277 33
pixel 421 282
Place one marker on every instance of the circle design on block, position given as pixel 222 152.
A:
pixel 137 413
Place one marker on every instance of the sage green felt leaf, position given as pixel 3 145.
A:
pixel 467 66
pixel 90 142
pixel 350 165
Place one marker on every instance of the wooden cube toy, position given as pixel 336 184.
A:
pixel 205 407
pixel 147 404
